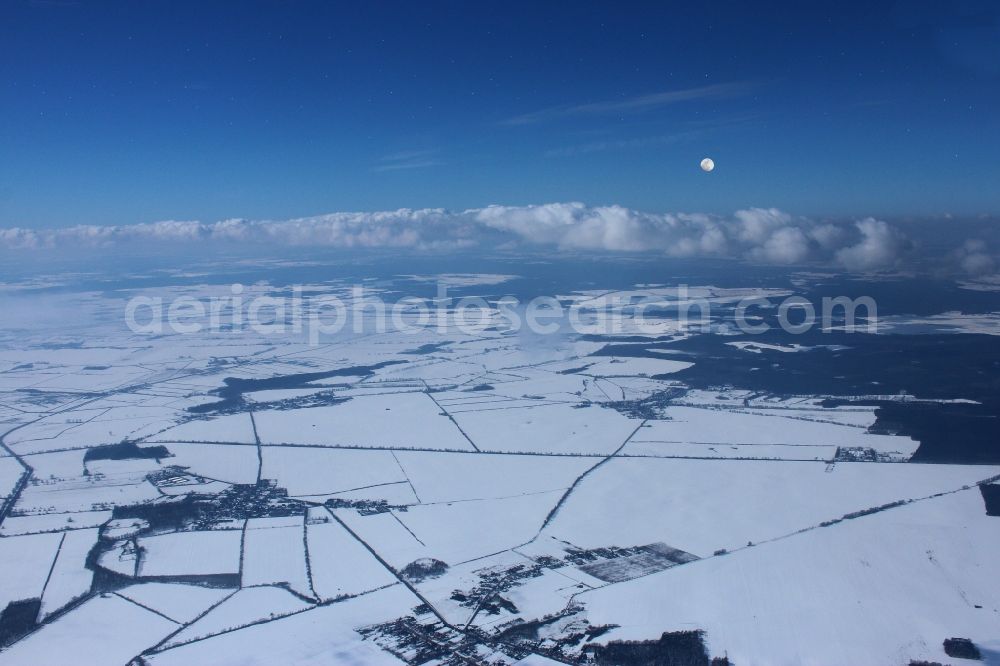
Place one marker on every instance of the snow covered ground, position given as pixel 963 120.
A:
pixel 450 497
pixel 883 589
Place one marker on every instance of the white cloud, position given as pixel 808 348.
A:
pixel 408 159
pixel 880 247
pixel 787 245
pixel 764 235
pixel 17 238
pixel 637 104
pixel 973 257
pixel 828 236
pixel 756 224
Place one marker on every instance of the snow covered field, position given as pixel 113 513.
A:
pixel 844 589
pixel 444 498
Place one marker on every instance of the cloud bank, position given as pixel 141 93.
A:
pixel 762 235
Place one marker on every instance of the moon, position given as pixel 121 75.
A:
pixel 707 164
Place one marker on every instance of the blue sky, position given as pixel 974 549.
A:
pixel 122 112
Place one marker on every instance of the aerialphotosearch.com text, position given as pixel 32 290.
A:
pixel 362 310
